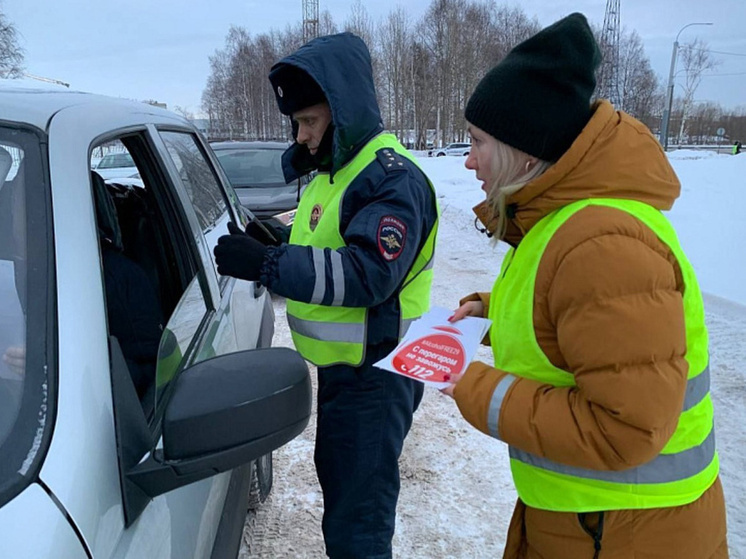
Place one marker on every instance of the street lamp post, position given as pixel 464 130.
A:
pixel 669 88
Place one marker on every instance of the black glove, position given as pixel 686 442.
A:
pixel 239 255
pixel 253 229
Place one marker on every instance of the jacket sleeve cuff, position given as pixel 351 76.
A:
pixel 480 394
pixel 269 268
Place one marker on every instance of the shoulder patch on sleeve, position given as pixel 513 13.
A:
pixel 390 160
pixel 392 235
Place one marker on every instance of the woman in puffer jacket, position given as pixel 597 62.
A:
pixel 600 385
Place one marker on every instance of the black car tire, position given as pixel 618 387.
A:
pixel 261 480
pixel 440 155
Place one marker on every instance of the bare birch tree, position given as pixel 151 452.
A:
pixel 436 37
pixel 638 82
pixel 696 59
pixel 395 72
pixel 326 24
pixel 424 92
pixel 11 54
pixel 360 23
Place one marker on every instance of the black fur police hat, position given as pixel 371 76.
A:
pixel 294 89
pixel 537 99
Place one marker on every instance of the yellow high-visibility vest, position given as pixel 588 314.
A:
pixel 328 335
pixel 687 465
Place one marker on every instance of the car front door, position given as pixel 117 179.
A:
pixel 82 470
pixel 244 318
pixel 215 316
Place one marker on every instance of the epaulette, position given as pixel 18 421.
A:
pixel 390 160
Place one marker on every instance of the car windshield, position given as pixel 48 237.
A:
pixel 24 370
pixel 116 161
pixel 252 167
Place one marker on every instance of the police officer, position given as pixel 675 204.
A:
pixel 356 271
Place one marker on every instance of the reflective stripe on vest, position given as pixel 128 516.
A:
pixel 328 335
pixel 686 466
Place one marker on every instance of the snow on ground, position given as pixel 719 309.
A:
pixel 710 219
pixel 457 494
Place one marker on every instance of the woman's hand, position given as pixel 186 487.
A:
pixel 448 390
pixel 470 308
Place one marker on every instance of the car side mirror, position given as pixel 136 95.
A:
pixel 243 404
pixel 223 412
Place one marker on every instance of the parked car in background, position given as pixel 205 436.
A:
pixel 139 399
pixel 255 171
pixel 116 165
pixel 451 149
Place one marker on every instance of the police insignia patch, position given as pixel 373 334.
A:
pixel 392 234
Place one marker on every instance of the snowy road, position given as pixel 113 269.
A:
pixel 457 495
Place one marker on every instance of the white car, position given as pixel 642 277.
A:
pixel 451 149
pixel 116 165
pixel 139 401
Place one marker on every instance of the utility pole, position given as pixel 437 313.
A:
pixel 310 19
pixel 609 76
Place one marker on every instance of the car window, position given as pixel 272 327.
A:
pixel 178 336
pixel 154 299
pixel 247 167
pixel 26 369
pixel 204 190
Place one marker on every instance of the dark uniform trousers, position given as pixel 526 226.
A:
pixel 364 414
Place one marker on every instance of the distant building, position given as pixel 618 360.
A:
pixel 202 124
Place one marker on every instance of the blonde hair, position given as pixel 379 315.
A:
pixel 510 164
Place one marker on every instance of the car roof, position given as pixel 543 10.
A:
pixel 217 146
pixel 37 105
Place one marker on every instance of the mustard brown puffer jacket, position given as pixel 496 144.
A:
pixel 608 308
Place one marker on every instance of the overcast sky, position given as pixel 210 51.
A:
pixel 158 49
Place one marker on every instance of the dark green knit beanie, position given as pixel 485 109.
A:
pixel 537 99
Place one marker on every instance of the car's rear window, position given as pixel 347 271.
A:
pixel 116 161
pixel 25 392
pixel 247 167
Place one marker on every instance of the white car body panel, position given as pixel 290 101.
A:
pixel 83 451
pixel 22 520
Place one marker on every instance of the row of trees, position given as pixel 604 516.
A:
pixel 425 70
pixel 702 122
